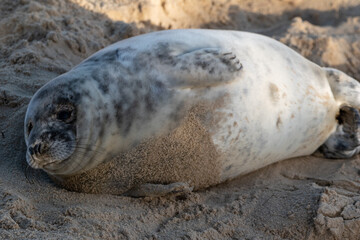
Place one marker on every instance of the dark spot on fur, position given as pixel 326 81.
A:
pixel 102 131
pixel 159 84
pixel 119 113
pixel 109 56
pixel 289 60
pixel 118 55
pixel 102 77
pixel 278 122
pixel 229 167
pixel 202 64
pixel 184 68
pixel 139 84
pixel 149 103
pixel 130 115
pixel 331 74
pixel 164 54
pixel 106 117
pixel 352 85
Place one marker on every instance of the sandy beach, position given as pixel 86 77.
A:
pixel 303 198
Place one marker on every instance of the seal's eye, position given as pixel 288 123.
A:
pixel 30 127
pixel 64 115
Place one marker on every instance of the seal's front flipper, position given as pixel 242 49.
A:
pixel 158 190
pixel 345 141
pixel 205 67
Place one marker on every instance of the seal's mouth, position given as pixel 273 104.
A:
pixel 37 162
pixel 32 161
pixel 52 150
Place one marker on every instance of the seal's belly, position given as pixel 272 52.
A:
pixel 274 112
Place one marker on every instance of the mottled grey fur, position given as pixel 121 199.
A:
pixel 123 95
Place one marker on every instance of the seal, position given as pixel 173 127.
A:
pixel 177 110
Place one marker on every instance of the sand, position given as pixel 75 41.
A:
pixel 303 198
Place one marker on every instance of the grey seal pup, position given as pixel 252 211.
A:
pixel 177 110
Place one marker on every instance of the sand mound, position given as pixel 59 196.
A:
pixel 304 198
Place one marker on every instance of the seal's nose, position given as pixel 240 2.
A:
pixel 35 149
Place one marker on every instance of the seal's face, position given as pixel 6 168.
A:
pixel 64 126
pixel 50 130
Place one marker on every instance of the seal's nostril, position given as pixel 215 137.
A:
pixel 38 148
pixel 31 150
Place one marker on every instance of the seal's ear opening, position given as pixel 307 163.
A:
pixel 345 141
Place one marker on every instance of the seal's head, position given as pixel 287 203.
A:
pixel 57 133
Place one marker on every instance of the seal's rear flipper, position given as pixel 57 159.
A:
pixel 345 141
pixel 158 190
pixel 345 89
